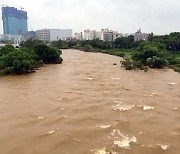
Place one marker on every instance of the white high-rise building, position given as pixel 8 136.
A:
pixel 104 34
pixel 89 34
pixel 78 36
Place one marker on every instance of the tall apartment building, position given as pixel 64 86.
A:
pixel 78 36
pixel 14 21
pixel 89 34
pixel 48 35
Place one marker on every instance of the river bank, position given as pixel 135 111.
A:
pixel 174 57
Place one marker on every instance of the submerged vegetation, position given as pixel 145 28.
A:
pixel 26 59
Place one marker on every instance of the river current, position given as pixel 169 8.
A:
pixel 87 105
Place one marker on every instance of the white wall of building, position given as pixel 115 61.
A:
pixel 56 34
pixel 78 36
pixel 49 35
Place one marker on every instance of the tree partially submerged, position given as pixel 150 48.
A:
pixel 47 54
pixel 16 61
pixel 25 59
pixel 150 54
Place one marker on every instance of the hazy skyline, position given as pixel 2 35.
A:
pixel 125 16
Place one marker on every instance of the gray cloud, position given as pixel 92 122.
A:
pixel 158 16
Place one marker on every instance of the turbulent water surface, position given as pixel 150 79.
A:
pixel 87 105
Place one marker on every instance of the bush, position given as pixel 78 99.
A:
pixel 24 60
pixel 6 49
pixel 88 48
pixel 120 54
pixel 128 64
pixel 47 54
pixel 152 54
pixel 156 62
pixel 17 62
pixel 30 43
pixel 60 44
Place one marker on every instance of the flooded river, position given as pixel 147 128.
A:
pixel 87 105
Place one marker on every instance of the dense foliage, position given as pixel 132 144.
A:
pixel 16 61
pixel 171 41
pixel 47 54
pixel 31 55
pixel 151 54
pixel 60 44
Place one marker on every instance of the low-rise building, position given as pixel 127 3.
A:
pixel 43 35
pixel 140 36
pixel 16 39
pixel 29 35
pixel 49 35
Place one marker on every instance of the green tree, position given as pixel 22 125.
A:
pixel 47 54
pixel 6 49
pixel 17 61
pixel 151 54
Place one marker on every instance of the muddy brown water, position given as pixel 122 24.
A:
pixel 89 106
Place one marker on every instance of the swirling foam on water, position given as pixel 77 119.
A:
pixel 148 107
pixel 172 83
pixel 116 78
pixel 41 118
pixel 101 151
pixel 51 132
pixel 164 147
pixel 122 140
pixel 105 126
pixel 89 78
pixel 121 107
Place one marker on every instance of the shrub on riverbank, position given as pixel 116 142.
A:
pixel 16 61
pixel 150 54
pixel 47 54
pixel 25 60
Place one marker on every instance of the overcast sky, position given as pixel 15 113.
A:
pixel 126 16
